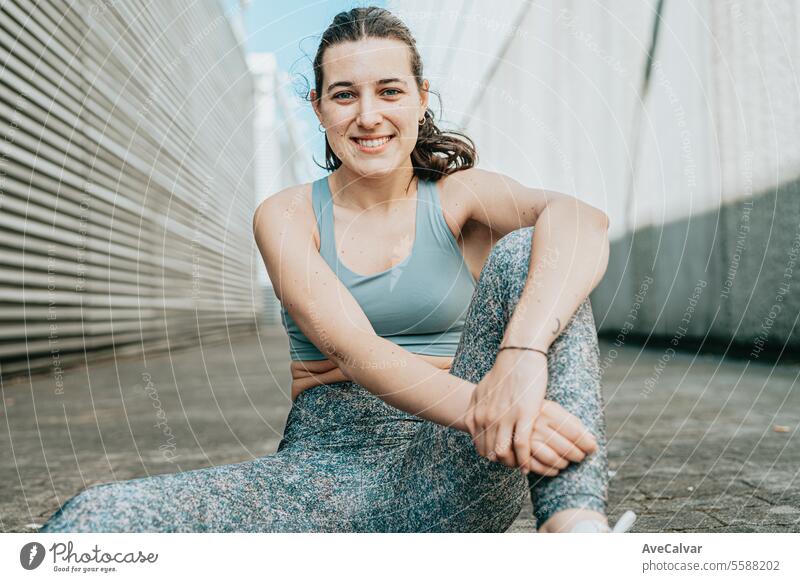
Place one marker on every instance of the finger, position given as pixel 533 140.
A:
pixel 503 446
pixel 479 438
pixel 490 436
pixel 560 444
pixel 522 441
pixel 572 428
pixel 537 467
pixel 469 421
pixel 547 456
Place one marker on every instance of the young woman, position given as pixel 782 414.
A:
pixel 438 377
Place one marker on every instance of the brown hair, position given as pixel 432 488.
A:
pixel 436 153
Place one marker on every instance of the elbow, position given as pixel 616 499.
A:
pixel 341 360
pixel 344 355
pixel 605 254
pixel 601 243
pixel 597 217
pixel 599 220
pixel 364 350
pixel 608 221
pixel 605 220
pixel 582 211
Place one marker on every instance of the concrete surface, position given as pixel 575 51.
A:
pixel 691 441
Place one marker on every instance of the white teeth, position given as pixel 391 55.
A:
pixel 372 143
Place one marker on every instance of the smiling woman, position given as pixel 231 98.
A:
pixel 434 385
pixel 358 92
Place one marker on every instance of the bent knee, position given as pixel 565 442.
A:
pixel 580 328
pixel 505 272
pixel 512 252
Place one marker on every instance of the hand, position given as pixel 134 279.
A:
pixel 557 438
pixel 505 404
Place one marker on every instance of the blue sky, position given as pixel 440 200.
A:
pixel 291 30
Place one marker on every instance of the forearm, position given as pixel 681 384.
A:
pixel 569 256
pixel 404 380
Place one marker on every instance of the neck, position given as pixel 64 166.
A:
pixel 371 192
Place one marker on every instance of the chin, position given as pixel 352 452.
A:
pixel 374 169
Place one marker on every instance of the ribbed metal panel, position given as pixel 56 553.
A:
pixel 126 187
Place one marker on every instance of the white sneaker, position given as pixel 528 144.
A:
pixel 593 526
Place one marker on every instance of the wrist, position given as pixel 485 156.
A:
pixel 538 338
pixel 521 348
pixel 515 358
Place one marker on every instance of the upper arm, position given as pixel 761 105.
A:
pixel 498 201
pixel 321 306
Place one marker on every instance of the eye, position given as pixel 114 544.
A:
pixel 398 90
pixel 342 93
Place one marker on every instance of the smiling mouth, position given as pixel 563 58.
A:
pixel 372 143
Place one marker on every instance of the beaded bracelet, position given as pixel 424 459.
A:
pixel 522 348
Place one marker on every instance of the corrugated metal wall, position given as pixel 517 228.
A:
pixel 127 189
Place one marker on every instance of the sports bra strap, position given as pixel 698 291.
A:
pixel 323 210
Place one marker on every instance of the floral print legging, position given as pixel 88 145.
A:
pixel 349 462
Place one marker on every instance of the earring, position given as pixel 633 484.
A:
pixel 422 121
pixel 321 129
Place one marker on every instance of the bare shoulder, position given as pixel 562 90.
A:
pixel 461 191
pixel 497 200
pixel 473 183
pixel 293 199
pixel 291 207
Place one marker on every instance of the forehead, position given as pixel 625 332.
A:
pixel 366 60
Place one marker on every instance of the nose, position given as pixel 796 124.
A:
pixel 368 115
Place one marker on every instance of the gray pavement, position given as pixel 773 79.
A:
pixel 692 443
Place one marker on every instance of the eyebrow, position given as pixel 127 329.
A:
pixel 352 84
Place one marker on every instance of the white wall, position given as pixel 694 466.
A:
pixel 550 91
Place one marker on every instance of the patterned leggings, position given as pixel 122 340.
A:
pixel 350 462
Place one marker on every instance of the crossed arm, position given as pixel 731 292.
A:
pixel 329 316
pixel 569 256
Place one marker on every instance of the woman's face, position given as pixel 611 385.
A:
pixel 368 91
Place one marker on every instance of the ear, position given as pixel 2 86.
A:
pixel 423 97
pixel 314 104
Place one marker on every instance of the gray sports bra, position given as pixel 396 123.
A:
pixel 420 303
